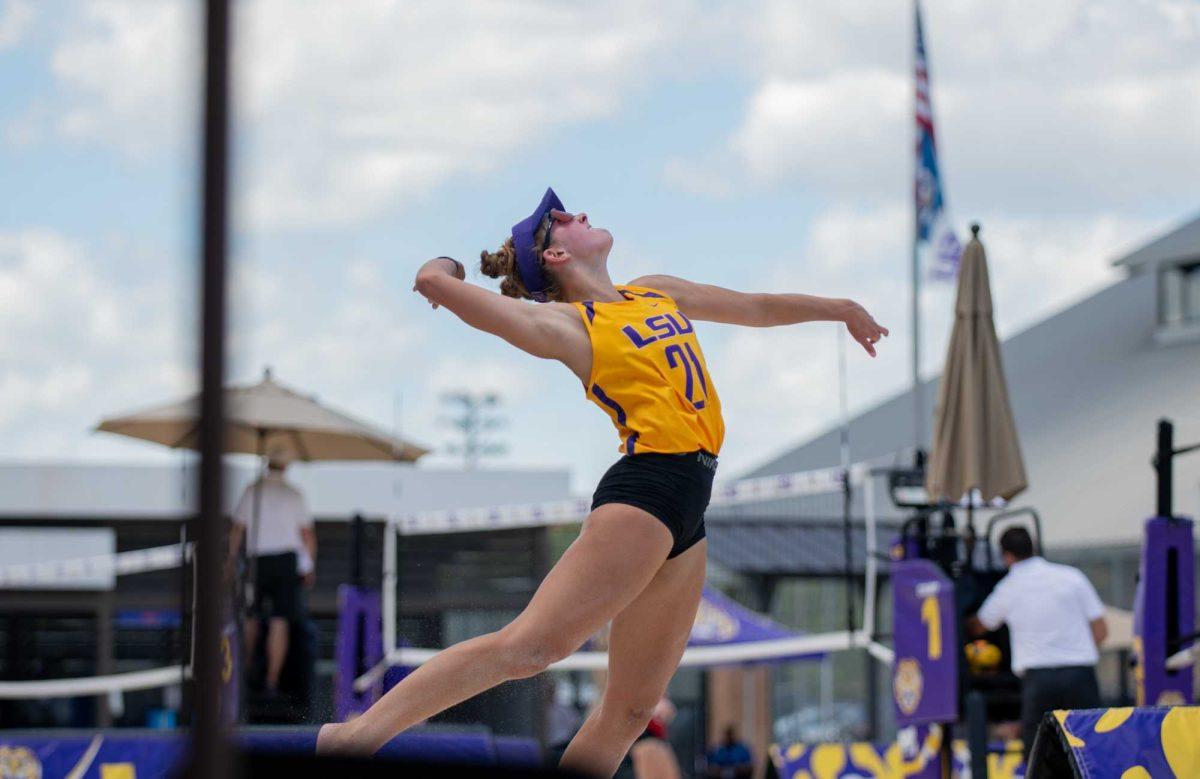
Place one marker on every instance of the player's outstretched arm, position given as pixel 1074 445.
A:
pixel 766 309
pixel 543 331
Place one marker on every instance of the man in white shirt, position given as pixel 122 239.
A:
pixel 284 545
pixel 1055 623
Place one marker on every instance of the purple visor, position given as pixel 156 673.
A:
pixel 529 261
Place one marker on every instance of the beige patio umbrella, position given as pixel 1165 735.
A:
pixel 268 417
pixel 975 444
pixel 264 419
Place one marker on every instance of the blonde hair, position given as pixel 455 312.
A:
pixel 502 264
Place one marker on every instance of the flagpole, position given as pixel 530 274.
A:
pixel 918 399
pixel 918 404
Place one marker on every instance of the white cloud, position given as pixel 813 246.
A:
pixel 130 74
pixel 78 344
pixel 1081 105
pixel 833 133
pixel 1090 106
pixel 344 110
pixel 340 335
pixel 16 16
pixel 708 179
pixel 336 134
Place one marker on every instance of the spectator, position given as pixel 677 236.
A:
pixel 284 548
pixel 1056 624
pixel 730 759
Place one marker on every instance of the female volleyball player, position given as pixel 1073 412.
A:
pixel 639 558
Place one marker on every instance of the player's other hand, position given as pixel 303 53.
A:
pixel 438 266
pixel 863 327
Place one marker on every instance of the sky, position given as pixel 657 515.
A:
pixel 764 145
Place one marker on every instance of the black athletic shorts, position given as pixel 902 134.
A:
pixel 276 586
pixel 674 488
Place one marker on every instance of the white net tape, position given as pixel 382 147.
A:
pixel 567 512
pixel 158 558
pixel 93 685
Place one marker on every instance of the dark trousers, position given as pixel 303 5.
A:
pixel 1046 689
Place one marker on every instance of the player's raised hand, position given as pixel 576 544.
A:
pixel 447 265
pixel 863 328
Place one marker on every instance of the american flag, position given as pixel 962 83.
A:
pixel 933 225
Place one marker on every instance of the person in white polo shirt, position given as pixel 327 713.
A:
pixel 1056 625
pixel 284 546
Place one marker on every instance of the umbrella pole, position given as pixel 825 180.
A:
pixel 969 546
pixel 255 514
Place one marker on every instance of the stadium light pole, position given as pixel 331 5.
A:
pixel 211 757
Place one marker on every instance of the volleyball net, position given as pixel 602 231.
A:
pixel 63 574
pixel 786 498
pixel 798 498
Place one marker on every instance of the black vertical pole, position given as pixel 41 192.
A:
pixel 357 549
pixel 848 547
pixel 1162 465
pixel 186 626
pixel 211 758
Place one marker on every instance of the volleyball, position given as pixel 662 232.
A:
pixel 983 655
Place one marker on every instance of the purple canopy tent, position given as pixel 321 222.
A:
pixel 722 621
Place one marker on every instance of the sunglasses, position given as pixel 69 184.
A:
pixel 554 216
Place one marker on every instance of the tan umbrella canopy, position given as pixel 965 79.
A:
pixel 975 444
pixel 269 418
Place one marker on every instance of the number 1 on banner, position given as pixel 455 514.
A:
pixel 931 615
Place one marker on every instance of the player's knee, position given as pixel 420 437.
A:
pixel 524 655
pixel 631 714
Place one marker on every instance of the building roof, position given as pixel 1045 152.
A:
pixel 1182 243
pixel 1087 387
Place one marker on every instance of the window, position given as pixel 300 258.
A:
pixel 1190 283
pixel 1179 301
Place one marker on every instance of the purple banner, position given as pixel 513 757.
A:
pixel 89 757
pixel 1167 578
pixel 359 648
pixel 925 635
pixel 134 754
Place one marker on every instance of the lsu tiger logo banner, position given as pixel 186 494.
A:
pixel 925 674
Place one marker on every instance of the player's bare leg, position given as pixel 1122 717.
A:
pixel 647 639
pixel 617 554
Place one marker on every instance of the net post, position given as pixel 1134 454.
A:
pixel 872 561
pixel 1163 467
pixel 389 578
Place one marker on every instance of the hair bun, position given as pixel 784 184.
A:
pixel 499 263
pixel 502 264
